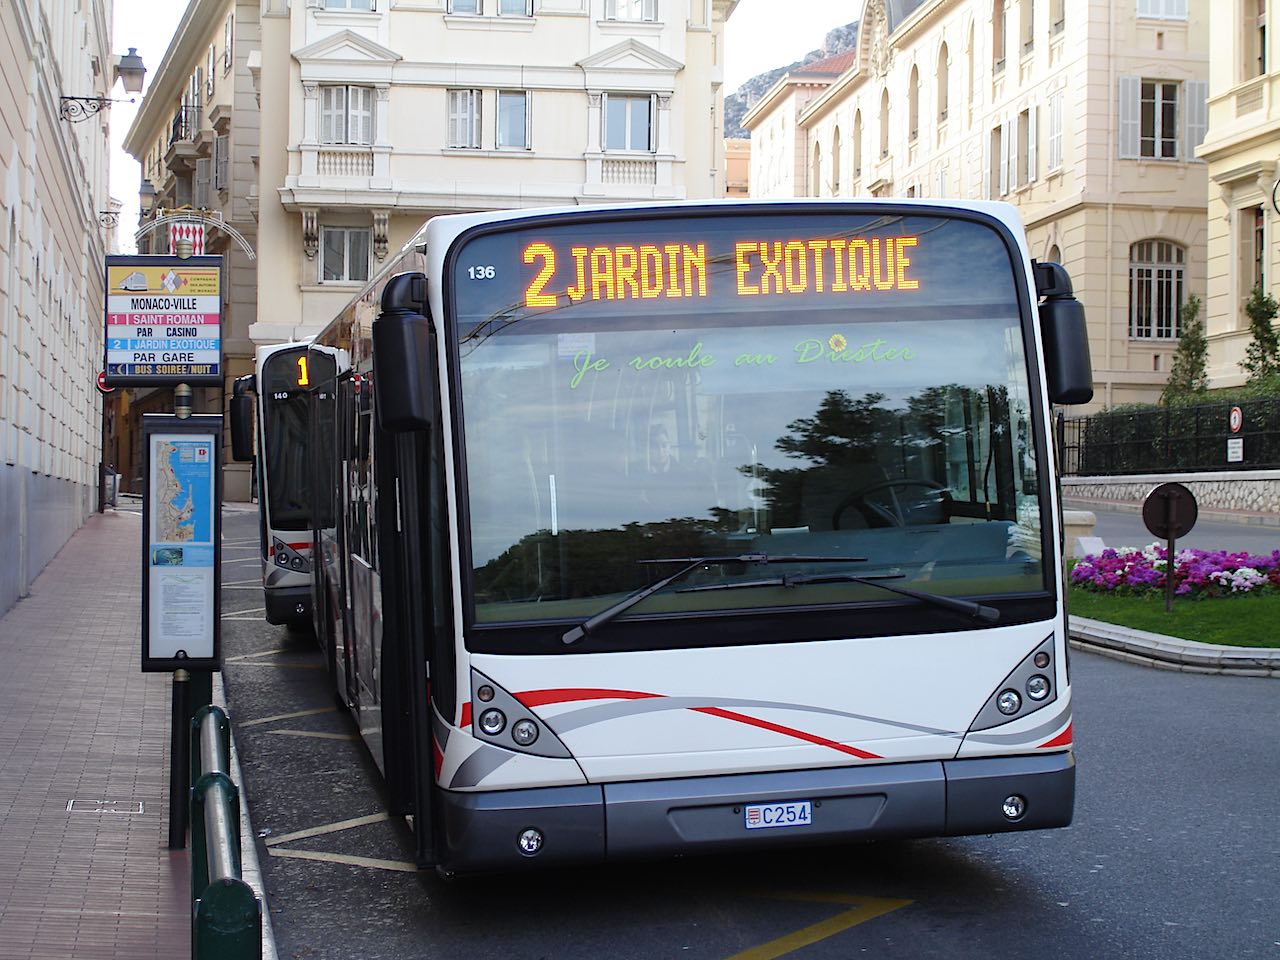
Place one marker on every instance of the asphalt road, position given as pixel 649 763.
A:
pixel 1174 853
pixel 1119 528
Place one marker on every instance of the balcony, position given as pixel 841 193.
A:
pixel 181 154
pixel 341 161
pixel 630 172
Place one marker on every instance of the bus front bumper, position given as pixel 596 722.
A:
pixel 655 818
pixel 288 605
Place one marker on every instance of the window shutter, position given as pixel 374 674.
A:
pixel 361 115
pixel 1055 131
pixel 986 168
pixel 1005 166
pixel 204 173
pixel 222 162
pixel 1130 117
pixel 326 114
pixel 1197 114
pixel 1032 131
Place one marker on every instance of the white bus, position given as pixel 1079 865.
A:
pixel 694 527
pixel 282 471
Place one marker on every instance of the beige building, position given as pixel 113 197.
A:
pixel 58 67
pixel 1242 149
pixel 378 115
pixel 196 136
pixel 1085 116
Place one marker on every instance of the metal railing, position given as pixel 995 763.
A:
pixel 226 916
pixel 1179 439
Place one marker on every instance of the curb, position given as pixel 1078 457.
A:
pixel 1172 653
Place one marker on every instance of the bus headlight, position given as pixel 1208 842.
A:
pixel 1009 702
pixel 1038 687
pixel 524 732
pixel 492 722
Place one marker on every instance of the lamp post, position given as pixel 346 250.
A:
pixel 128 69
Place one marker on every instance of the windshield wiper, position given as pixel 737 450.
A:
pixel 690 563
pixel 975 610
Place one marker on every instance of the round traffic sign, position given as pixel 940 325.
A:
pixel 1170 511
pixel 102 382
pixel 1235 420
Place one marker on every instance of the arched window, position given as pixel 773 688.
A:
pixel 913 105
pixel 1055 254
pixel 857 145
pixel 815 185
pixel 1156 289
pixel 943 81
pixel 884 123
pixel 999 33
pixel 835 162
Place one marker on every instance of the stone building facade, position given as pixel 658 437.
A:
pixel 1085 116
pixel 54 231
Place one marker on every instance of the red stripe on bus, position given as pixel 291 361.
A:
pixel 271 550
pixel 1061 740
pixel 540 698
pixel 466 715
pixel 788 731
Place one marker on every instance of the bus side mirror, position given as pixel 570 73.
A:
pixel 1065 334
pixel 242 418
pixel 402 357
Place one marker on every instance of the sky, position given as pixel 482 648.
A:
pixel 757 38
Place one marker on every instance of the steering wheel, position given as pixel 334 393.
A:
pixel 893 513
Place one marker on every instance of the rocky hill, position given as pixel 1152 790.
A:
pixel 744 98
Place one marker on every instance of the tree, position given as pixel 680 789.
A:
pixel 1189 375
pixel 1262 356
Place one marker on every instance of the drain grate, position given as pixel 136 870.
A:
pixel 121 807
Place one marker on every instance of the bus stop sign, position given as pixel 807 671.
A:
pixel 1169 511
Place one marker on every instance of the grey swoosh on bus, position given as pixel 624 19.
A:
pixel 479 765
pixel 1043 730
pixel 586 716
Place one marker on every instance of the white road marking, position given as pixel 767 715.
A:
pixel 400 866
pixel 328 828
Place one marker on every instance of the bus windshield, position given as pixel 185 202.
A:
pixel 831 384
pixel 284 401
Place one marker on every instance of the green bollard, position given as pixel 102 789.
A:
pixel 227 923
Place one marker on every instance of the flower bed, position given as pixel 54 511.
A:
pixel 1196 573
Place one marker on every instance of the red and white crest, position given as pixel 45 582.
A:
pixel 187 230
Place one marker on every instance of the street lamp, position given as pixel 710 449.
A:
pixel 129 70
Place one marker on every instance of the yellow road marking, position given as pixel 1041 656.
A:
pixel 867 908
pixel 400 866
pixel 310 733
pixel 286 716
pixel 327 828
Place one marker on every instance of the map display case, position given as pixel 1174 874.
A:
pixel 181 543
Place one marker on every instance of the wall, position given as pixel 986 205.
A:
pixel 1251 490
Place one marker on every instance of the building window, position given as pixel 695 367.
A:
pixel 628 122
pixel 1055 254
pixel 1163 9
pixel 210 69
pixel 1254 46
pixel 857 145
pixel 1156 280
pixel 464 119
pixel 815 186
pixel 222 162
pixel 1026 158
pixel 631 10
pixel 999 30
pixel 913 105
pixel 884 123
pixel 515 8
pixel 1253 230
pixel 228 32
pixel 1057 16
pixel 1027 19
pixel 470 7
pixel 999 171
pixel 346 115
pixel 513 119
pixel 1159 120
pixel 1055 131
pixel 348 4
pixel 344 254
pixel 943 83
pixel 835 163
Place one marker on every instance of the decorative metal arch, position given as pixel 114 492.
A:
pixel 168 217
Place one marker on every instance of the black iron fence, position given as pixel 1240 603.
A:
pixel 1182 439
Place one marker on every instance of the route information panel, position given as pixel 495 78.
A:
pixel 180 562
pixel 164 321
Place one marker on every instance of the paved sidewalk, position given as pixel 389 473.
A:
pixel 79 722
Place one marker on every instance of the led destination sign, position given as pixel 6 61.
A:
pixel 673 271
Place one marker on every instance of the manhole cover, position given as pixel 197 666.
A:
pixel 124 807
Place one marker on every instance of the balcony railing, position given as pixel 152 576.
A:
pixel 639 171
pixel 342 161
pixel 185 125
